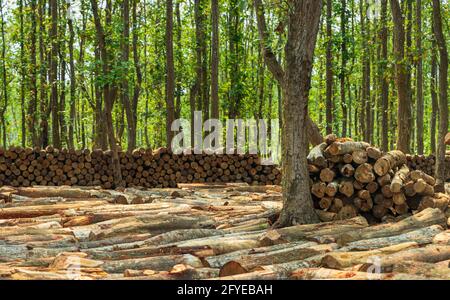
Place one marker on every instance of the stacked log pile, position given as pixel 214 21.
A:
pixel 204 231
pixel 160 168
pixel 350 178
pixel 427 164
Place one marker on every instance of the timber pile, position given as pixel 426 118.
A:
pixel 426 163
pixel 145 168
pixel 204 231
pixel 350 178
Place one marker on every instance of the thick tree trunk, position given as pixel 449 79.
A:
pixel 443 94
pixel 298 208
pixel 170 83
pixel 107 92
pixel 401 78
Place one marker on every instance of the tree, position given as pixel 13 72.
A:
pixel 54 74
pixel 215 59
pixel 401 79
pixel 419 79
pixel 384 80
pixel 32 104
pixel 170 81
pixel 343 72
pixel 443 94
pixel 329 70
pixel 296 79
pixel 107 92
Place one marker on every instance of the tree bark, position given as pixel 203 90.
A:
pixel 384 80
pixel 215 59
pixel 401 78
pixel 329 71
pixel 54 74
pixel 443 94
pixel 419 80
pixel 170 83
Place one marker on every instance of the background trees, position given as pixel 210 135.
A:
pixel 65 83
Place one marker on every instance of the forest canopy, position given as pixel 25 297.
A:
pixel 65 64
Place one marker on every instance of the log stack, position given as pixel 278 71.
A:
pixel 142 167
pixel 349 178
pixel 426 163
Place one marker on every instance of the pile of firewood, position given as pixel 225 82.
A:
pixel 350 178
pixel 426 163
pixel 145 168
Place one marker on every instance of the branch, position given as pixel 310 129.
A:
pixel 269 57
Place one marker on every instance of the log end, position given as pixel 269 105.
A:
pixel 232 268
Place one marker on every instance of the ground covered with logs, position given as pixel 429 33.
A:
pixel 206 231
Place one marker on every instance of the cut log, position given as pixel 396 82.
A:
pixel 389 161
pixel 327 175
pixel 332 189
pixel 423 188
pixel 399 179
pixel 300 232
pixel 346 147
pixel 346 188
pixel 374 153
pixel 422 269
pixel 360 157
pixel 438 200
pixel 340 260
pixel 316 156
pixel 421 236
pixel 429 254
pixel 427 217
pixel 318 189
pixel 364 173
pixel 347 170
pixel 324 273
pixel 417 174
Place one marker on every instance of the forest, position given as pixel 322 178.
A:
pixel 76 74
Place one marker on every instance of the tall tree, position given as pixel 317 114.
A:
pixel 343 72
pixel 384 79
pixel 107 92
pixel 32 104
pixel 72 109
pixel 303 26
pixel 54 74
pixel 4 75
pixel 170 81
pixel 419 79
pixel 215 59
pixel 401 79
pixel 443 94
pixel 434 97
pixel 22 74
pixel 138 71
pixel 329 70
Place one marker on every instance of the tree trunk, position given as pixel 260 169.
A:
pixel 419 79
pixel 343 73
pixel 56 141
pixel 443 94
pixel 401 78
pixel 384 80
pixel 329 71
pixel 170 84
pixel 215 60
pixel 298 208
pixel 43 77
pixel 107 93
pixel 434 98
pixel 32 105
pixel 72 113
